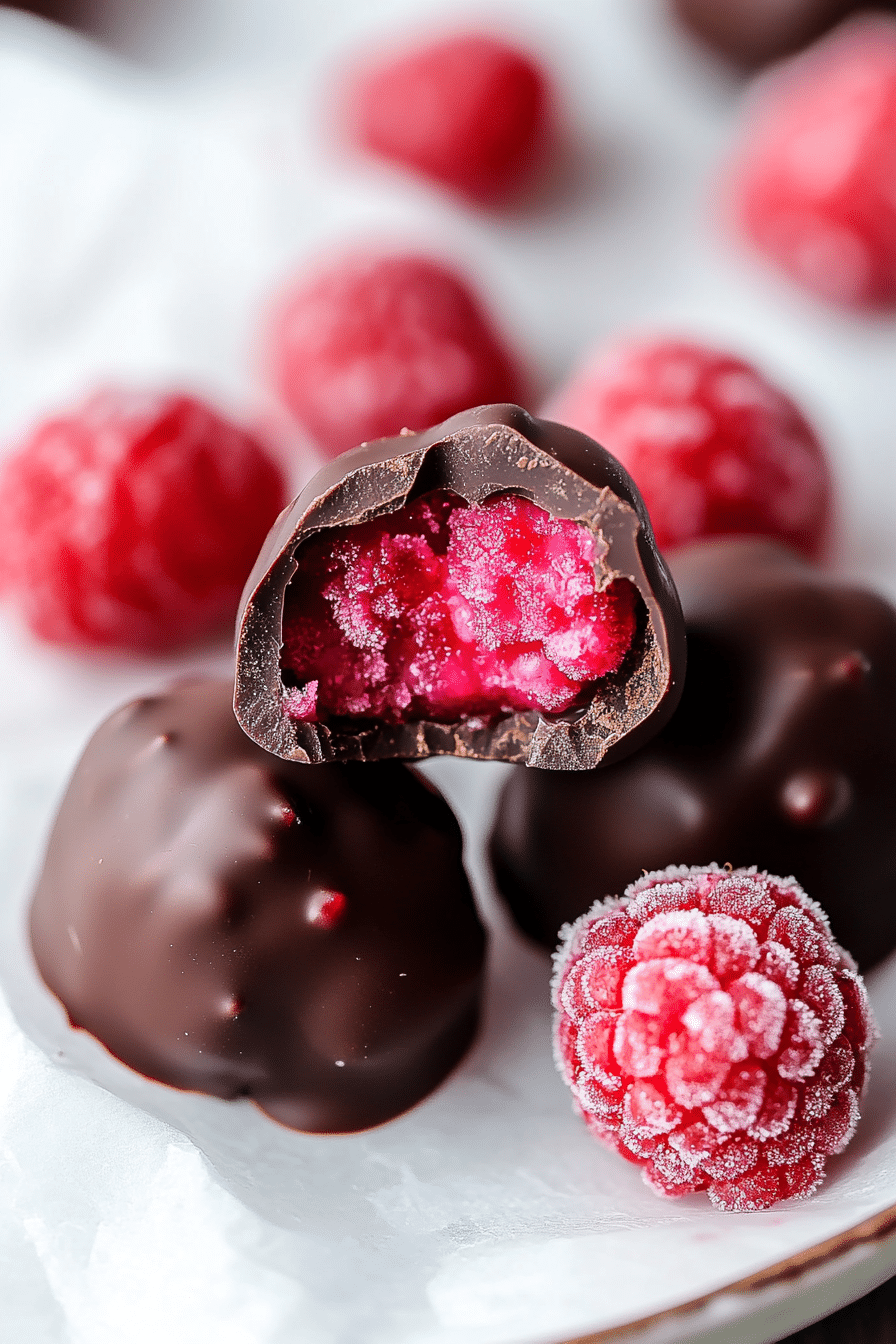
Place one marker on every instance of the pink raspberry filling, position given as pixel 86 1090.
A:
pixel 445 610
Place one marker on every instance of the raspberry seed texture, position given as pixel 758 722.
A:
pixel 713 1033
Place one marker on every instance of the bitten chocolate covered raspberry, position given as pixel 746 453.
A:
pixel 230 923
pixel 714 1033
pixel 783 749
pixel 488 589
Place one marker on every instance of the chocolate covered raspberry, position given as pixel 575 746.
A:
pixel 782 748
pixel 230 923
pixel 751 33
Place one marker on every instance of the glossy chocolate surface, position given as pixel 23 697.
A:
pixel 782 754
pixel 227 922
pixel 751 33
pixel 475 455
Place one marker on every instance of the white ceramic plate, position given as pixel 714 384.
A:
pixel 143 224
pixel 486 1214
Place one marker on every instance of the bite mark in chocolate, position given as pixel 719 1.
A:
pixel 230 923
pixel 487 589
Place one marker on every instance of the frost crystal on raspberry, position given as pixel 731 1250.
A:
pixel 713 1032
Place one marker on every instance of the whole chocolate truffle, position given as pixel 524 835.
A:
pixel 230 923
pixel 782 753
pixel 490 588
pixel 750 33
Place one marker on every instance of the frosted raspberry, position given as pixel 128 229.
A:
pixel 468 111
pixel 812 184
pixel 444 610
pixel 703 1049
pixel 133 521
pixel 713 446
pixel 371 345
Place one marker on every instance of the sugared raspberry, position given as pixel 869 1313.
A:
pixel 469 111
pixel 371 345
pixel 133 521
pixel 443 609
pixel 713 446
pixel 812 184
pixel 714 1033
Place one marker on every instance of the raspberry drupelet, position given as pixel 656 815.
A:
pixel 713 1033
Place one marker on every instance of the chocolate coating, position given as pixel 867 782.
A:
pixel 63 11
pixel 782 754
pixel 477 454
pixel 230 923
pixel 751 33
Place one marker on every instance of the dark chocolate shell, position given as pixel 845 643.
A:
pixel 475 455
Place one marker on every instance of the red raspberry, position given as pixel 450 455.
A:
pixel 713 446
pixel 813 183
pixel 372 345
pixel 133 521
pixel 714 1033
pixel 468 111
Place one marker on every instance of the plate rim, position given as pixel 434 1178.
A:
pixel 871 1231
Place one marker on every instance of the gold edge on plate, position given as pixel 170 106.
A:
pixel 877 1228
